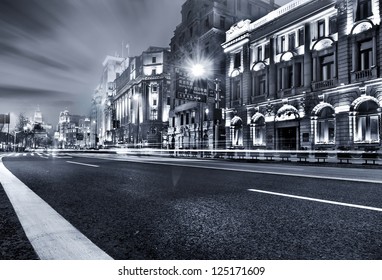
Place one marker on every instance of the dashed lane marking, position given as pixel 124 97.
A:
pixel 80 163
pixel 52 237
pixel 319 200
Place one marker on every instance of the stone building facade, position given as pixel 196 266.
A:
pixel 195 119
pixel 141 100
pixel 306 76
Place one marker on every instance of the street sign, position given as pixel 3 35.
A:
pixel 190 89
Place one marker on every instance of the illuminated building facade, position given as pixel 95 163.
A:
pixel 101 109
pixel 73 131
pixel 195 119
pixel 306 76
pixel 141 100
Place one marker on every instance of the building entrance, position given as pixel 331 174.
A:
pixel 287 138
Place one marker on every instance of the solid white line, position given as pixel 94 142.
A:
pixel 80 163
pixel 52 237
pixel 319 200
pixel 306 175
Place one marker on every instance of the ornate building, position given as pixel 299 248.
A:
pixel 306 76
pixel 140 101
pixel 195 116
pixel 101 109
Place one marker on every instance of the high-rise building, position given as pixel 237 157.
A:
pixel 101 109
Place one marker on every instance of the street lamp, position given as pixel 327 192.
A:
pixel 136 97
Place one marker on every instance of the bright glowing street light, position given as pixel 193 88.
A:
pixel 198 70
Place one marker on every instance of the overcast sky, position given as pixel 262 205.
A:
pixel 51 51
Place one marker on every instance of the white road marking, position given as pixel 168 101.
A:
pixel 24 155
pixel 303 175
pixel 52 237
pixel 80 163
pixel 319 200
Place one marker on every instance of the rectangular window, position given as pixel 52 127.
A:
pixel 333 25
pixel 259 53
pixel 187 118
pixel 327 70
pixel 237 62
pixel 364 9
pixel 281 44
pixel 222 22
pixel 193 117
pixel 181 119
pixel 366 55
pixel 155 102
pixel 325 131
pixel 154 114
pixel 298 74
pixel 280 79
pixel 289 76
pixel 153 72
pixel 154 59
pixel 367 129
pixel 236 90
pixel 266 51
pixel 207 22
pixel 321 28
pixel 301 37
pixel 292 41
pixel 261 85
pixel 155 88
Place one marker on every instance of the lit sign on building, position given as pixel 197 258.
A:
pixel 191 89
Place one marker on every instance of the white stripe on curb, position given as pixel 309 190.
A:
pixel 52 237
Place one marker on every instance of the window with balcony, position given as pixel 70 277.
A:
pixel 365 58
pixel 259 83
pixel 285 77
pixel 326 67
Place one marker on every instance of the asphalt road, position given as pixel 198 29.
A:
pixel 151 208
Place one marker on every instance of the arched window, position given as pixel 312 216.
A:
pixel 237 131
pixel 366 121
pixel 325 129
pixel 258 129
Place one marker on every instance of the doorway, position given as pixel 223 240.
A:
pixel 287 138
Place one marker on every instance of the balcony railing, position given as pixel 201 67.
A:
pixel 324 84
pixel 364 75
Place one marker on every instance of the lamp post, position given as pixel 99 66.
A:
pixel 198 71
pixel 137 97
